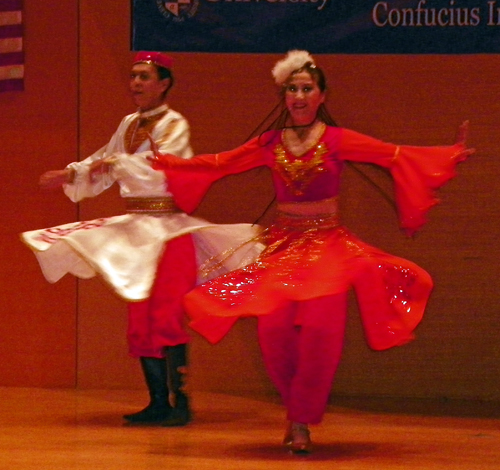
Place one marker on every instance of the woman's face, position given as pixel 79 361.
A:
pixel 303 98
pixel 146 86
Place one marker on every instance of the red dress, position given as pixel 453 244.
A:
pixel 309 254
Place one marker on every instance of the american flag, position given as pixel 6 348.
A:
pixel 11 46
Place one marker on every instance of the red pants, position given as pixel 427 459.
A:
pixel 301 345
pixel 158 322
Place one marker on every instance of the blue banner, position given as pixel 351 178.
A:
pixel 319 26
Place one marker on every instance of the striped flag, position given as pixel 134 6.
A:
pixel 11 46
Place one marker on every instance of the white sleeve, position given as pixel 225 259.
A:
pixel 82 187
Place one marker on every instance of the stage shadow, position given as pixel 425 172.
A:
pixel 321 452
pixel 265 452
pixel 437 407
pixel 201 418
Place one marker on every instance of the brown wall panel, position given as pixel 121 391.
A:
pixel 38 132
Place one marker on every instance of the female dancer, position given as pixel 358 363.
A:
pixel 298 286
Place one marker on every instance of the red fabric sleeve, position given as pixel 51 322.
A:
pixel 417 172
pixel 356 147
pixel 189 179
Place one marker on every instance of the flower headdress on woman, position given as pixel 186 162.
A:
pixel 293 61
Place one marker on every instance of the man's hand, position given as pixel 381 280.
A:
pixel 56 178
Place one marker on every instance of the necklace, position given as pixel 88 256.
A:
pixel 298 172
pixel 299 146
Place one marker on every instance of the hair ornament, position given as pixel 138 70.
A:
pixel 293 61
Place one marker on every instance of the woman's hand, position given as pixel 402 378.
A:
pixel 463 130
pixel 56 178
pixel 461 140
pixel 154 148
pixel 157 156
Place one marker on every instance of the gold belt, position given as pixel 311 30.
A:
pixel 151 205
pixel 302 223
pixel 308 215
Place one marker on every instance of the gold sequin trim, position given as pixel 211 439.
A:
pixel 218 261
pixel 296 172
pixel 301 223
pixel 151 205
pixel 310 228
pixel 310 208
pixel 298 233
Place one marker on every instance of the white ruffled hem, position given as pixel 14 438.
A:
pixel 125 249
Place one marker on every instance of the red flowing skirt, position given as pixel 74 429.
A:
pixel 302 264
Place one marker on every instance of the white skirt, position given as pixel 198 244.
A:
pixel 125 250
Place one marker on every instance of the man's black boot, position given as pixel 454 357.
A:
pixel 159 409
pixel 180 414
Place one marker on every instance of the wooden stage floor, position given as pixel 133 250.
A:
pixel 68 429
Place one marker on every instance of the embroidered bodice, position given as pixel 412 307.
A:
pixel 310 176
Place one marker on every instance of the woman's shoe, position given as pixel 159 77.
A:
pixel 300 439
pixel 287 440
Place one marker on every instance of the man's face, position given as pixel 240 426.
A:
pixel 146 87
